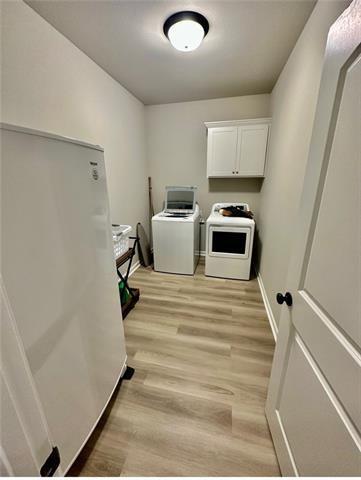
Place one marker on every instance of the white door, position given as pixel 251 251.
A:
pixel 25 437
pixel 314 399
pixel 252 146
pixel 222 151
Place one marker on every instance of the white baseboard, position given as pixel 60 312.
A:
pixel 268 308
pixel 202 253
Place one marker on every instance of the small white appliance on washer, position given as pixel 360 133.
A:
pixel 229 244
pixel 176 232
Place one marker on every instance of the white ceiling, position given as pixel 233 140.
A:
pixel 247 45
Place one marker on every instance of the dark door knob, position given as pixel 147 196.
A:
pixel 287 297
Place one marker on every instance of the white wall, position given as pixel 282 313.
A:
pixel 177 148
pixel 293 103
pixel 49 84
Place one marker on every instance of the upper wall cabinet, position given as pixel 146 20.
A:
pixel 237 148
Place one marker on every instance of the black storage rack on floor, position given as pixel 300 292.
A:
pixel 133 292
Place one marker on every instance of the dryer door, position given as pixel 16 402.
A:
pixel 231 242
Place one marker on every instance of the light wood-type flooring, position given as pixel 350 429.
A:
pixel 202 349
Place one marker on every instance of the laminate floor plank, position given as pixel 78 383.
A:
pixel 251 390
pixel 145 338
pixel 202 350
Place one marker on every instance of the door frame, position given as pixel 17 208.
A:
pixel 343 44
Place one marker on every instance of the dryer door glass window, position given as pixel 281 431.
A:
pixel 229 242
pixel 232 242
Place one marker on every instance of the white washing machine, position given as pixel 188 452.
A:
pixel 229 244
pixel 176 233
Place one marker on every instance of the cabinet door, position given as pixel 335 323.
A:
pixel 252 146
pixel 222 151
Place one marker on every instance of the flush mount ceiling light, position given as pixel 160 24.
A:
pixel 186 30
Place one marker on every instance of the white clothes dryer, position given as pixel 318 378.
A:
pixel 229 244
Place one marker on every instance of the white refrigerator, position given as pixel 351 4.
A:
pixel 59 283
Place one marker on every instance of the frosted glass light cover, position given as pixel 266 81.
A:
pixel 186 35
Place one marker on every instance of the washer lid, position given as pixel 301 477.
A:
pixel 169 217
